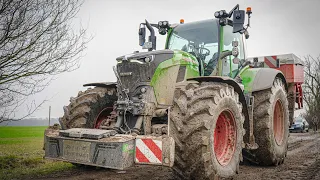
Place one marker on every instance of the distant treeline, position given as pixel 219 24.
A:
pixel 31 122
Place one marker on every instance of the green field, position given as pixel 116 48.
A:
pixel 21 153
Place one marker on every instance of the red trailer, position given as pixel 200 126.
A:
pixel 292 68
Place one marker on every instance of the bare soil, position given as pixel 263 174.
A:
pixel 302 162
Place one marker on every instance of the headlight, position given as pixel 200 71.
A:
pixel 216 14
pixel 221 13
pixel 148 59
pixel 143 90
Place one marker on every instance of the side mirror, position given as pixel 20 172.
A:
pixel 152 37
pixel 238 20
pixel 142 35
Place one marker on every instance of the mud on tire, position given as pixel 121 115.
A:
pixel 83 111
pixel 271 136
pixel 193 119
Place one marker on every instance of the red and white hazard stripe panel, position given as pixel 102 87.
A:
pixel 148 151
pixel 271 61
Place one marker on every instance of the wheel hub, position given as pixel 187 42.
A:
pixel 278 122
pixel 104 118
pixel 225 135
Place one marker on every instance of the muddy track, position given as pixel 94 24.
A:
pixel 295 145
pixel 302 163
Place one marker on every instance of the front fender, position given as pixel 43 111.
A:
pixel 257 79
pixel 222 79
pixel 229 81
pixel 102 84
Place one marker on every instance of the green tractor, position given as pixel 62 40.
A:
pixel 199 106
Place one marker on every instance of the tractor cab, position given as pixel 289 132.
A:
pixel 217 44
pixel 206 40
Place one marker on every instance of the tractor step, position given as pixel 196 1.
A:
pixel 104 148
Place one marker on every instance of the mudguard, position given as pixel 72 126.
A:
pixel 257 79
pixel 102 84
pixel 223 79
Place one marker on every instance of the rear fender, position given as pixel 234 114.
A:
pixel 257 79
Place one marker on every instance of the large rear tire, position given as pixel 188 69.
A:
pixel 271 127
pixel 206 122
pixel 89 109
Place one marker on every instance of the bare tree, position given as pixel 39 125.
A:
pixel 37 41
pixel 312 91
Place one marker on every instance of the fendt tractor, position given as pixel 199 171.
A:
pixel 199 106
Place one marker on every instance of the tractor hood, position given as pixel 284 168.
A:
pixel 137 69
pixel 154 73
pixel 159 56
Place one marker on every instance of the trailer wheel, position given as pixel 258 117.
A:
pixel 206 122
pixel 90 109
pixel 271 117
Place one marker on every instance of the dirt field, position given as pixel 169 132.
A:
pixel 303 162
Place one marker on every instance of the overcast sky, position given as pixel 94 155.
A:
pixel 277 27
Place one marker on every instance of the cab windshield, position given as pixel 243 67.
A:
pixel 199 39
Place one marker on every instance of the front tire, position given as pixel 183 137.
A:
pixel 90 109
pixel 206 122
pixel 271 122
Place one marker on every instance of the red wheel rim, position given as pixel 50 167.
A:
pixel 278 122
pixel 225 135
pixel 102 116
